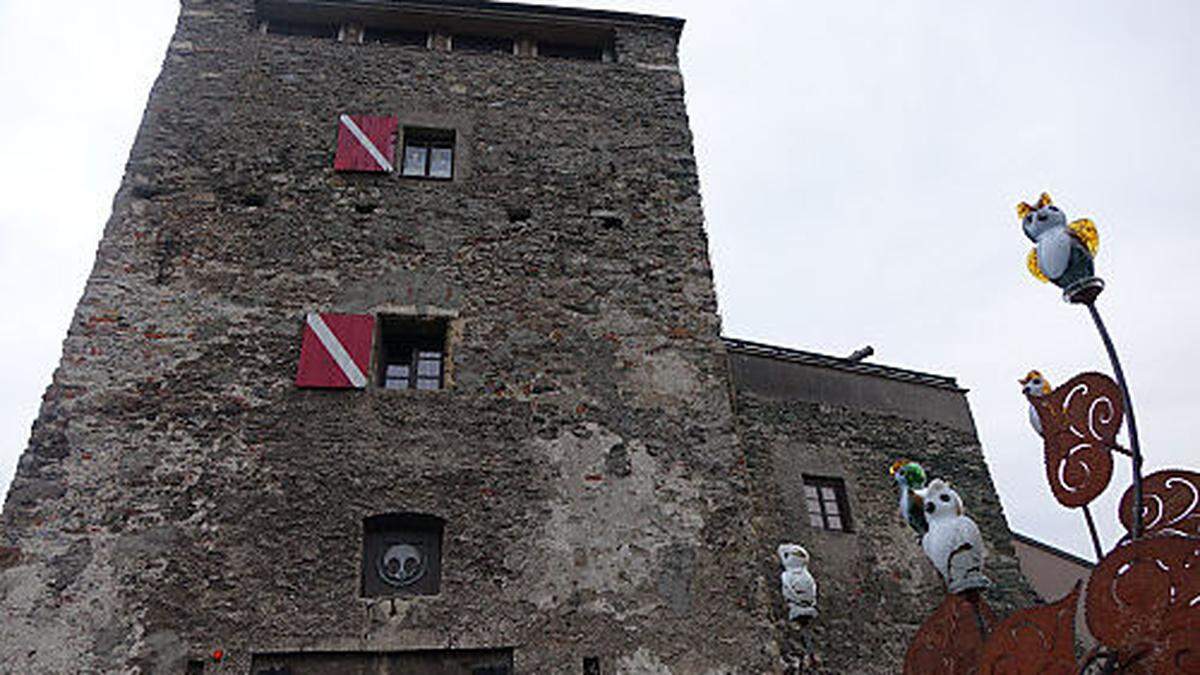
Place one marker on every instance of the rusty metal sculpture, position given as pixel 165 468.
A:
pixel 1034 641
pixel 1171 503
pixel 1143 598
pixel 1080 421
pixel 951 639
pixel 1143 588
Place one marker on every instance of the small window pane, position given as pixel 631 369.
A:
pixel 810 491
pixel 414 160
pixel 429 369
pixel 396 376
pixel 815 520
pixel 441 163
pixel 831 508
pixel 835 523
pixel 814 506
pixel 423 383
pixel 828 494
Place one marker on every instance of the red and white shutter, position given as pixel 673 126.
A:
pixel 366 143
pixel 336 351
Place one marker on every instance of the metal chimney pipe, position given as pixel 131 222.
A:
pixel 862 353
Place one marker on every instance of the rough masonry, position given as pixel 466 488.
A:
pixel 181 496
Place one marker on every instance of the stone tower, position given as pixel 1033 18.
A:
pixel 400 354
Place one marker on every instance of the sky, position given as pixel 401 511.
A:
pixel 859 163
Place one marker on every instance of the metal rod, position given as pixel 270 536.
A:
pixel 1117 447
pixel 1087 515
pixel 1133 434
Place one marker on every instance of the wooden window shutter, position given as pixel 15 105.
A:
pixel 336 351
pixel 366 143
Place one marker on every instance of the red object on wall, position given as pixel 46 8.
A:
pixel 366 143
pixel 336 351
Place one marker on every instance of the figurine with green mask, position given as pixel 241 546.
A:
pixel 910 477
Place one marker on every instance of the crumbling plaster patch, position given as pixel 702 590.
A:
pixel 615 530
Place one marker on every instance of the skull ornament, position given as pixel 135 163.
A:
pixel 401 565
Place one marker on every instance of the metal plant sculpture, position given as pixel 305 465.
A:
pixel 1142 600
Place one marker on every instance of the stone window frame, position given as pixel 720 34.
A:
pixel 827 503
pixel 381 530
pixel 420 334
pixel 428 139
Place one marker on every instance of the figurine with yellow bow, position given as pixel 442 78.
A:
pixel 1063 252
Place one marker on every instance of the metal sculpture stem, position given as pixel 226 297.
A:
pixel 1087 515
pixel 1133 434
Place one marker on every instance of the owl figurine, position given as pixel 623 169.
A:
pixel 799 587
pixel 953 542
pixel 1063 252
pixel 1035 386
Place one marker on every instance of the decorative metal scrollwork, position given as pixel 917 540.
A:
pixel 1034 641
pixel 1144 591
pixel 951 639
pixel 1170 503
pixel 1080 421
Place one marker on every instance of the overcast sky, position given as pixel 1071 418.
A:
pixel 859 160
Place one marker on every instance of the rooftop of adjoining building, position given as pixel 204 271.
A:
pixel 839 363
pixel 793 374
pixel 1066 556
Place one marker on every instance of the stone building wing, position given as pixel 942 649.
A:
pixel 814 425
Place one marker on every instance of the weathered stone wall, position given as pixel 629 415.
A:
pixel 181 495
pixel 875 583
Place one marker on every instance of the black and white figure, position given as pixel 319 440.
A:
pixel 799 587
pixel 953 542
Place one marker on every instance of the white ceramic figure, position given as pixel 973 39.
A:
pixel 799 588
pixel 953 542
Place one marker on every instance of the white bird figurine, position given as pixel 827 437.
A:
pixel 1035 386
pixel 799 587
pixel 953 542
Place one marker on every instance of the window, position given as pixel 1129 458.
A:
pixel 296 28
pixel 402 555
pixel 479 44
pixel 412 353
pixel 555 50
pixel 828 505
pixel 429 153
pixel 395 36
